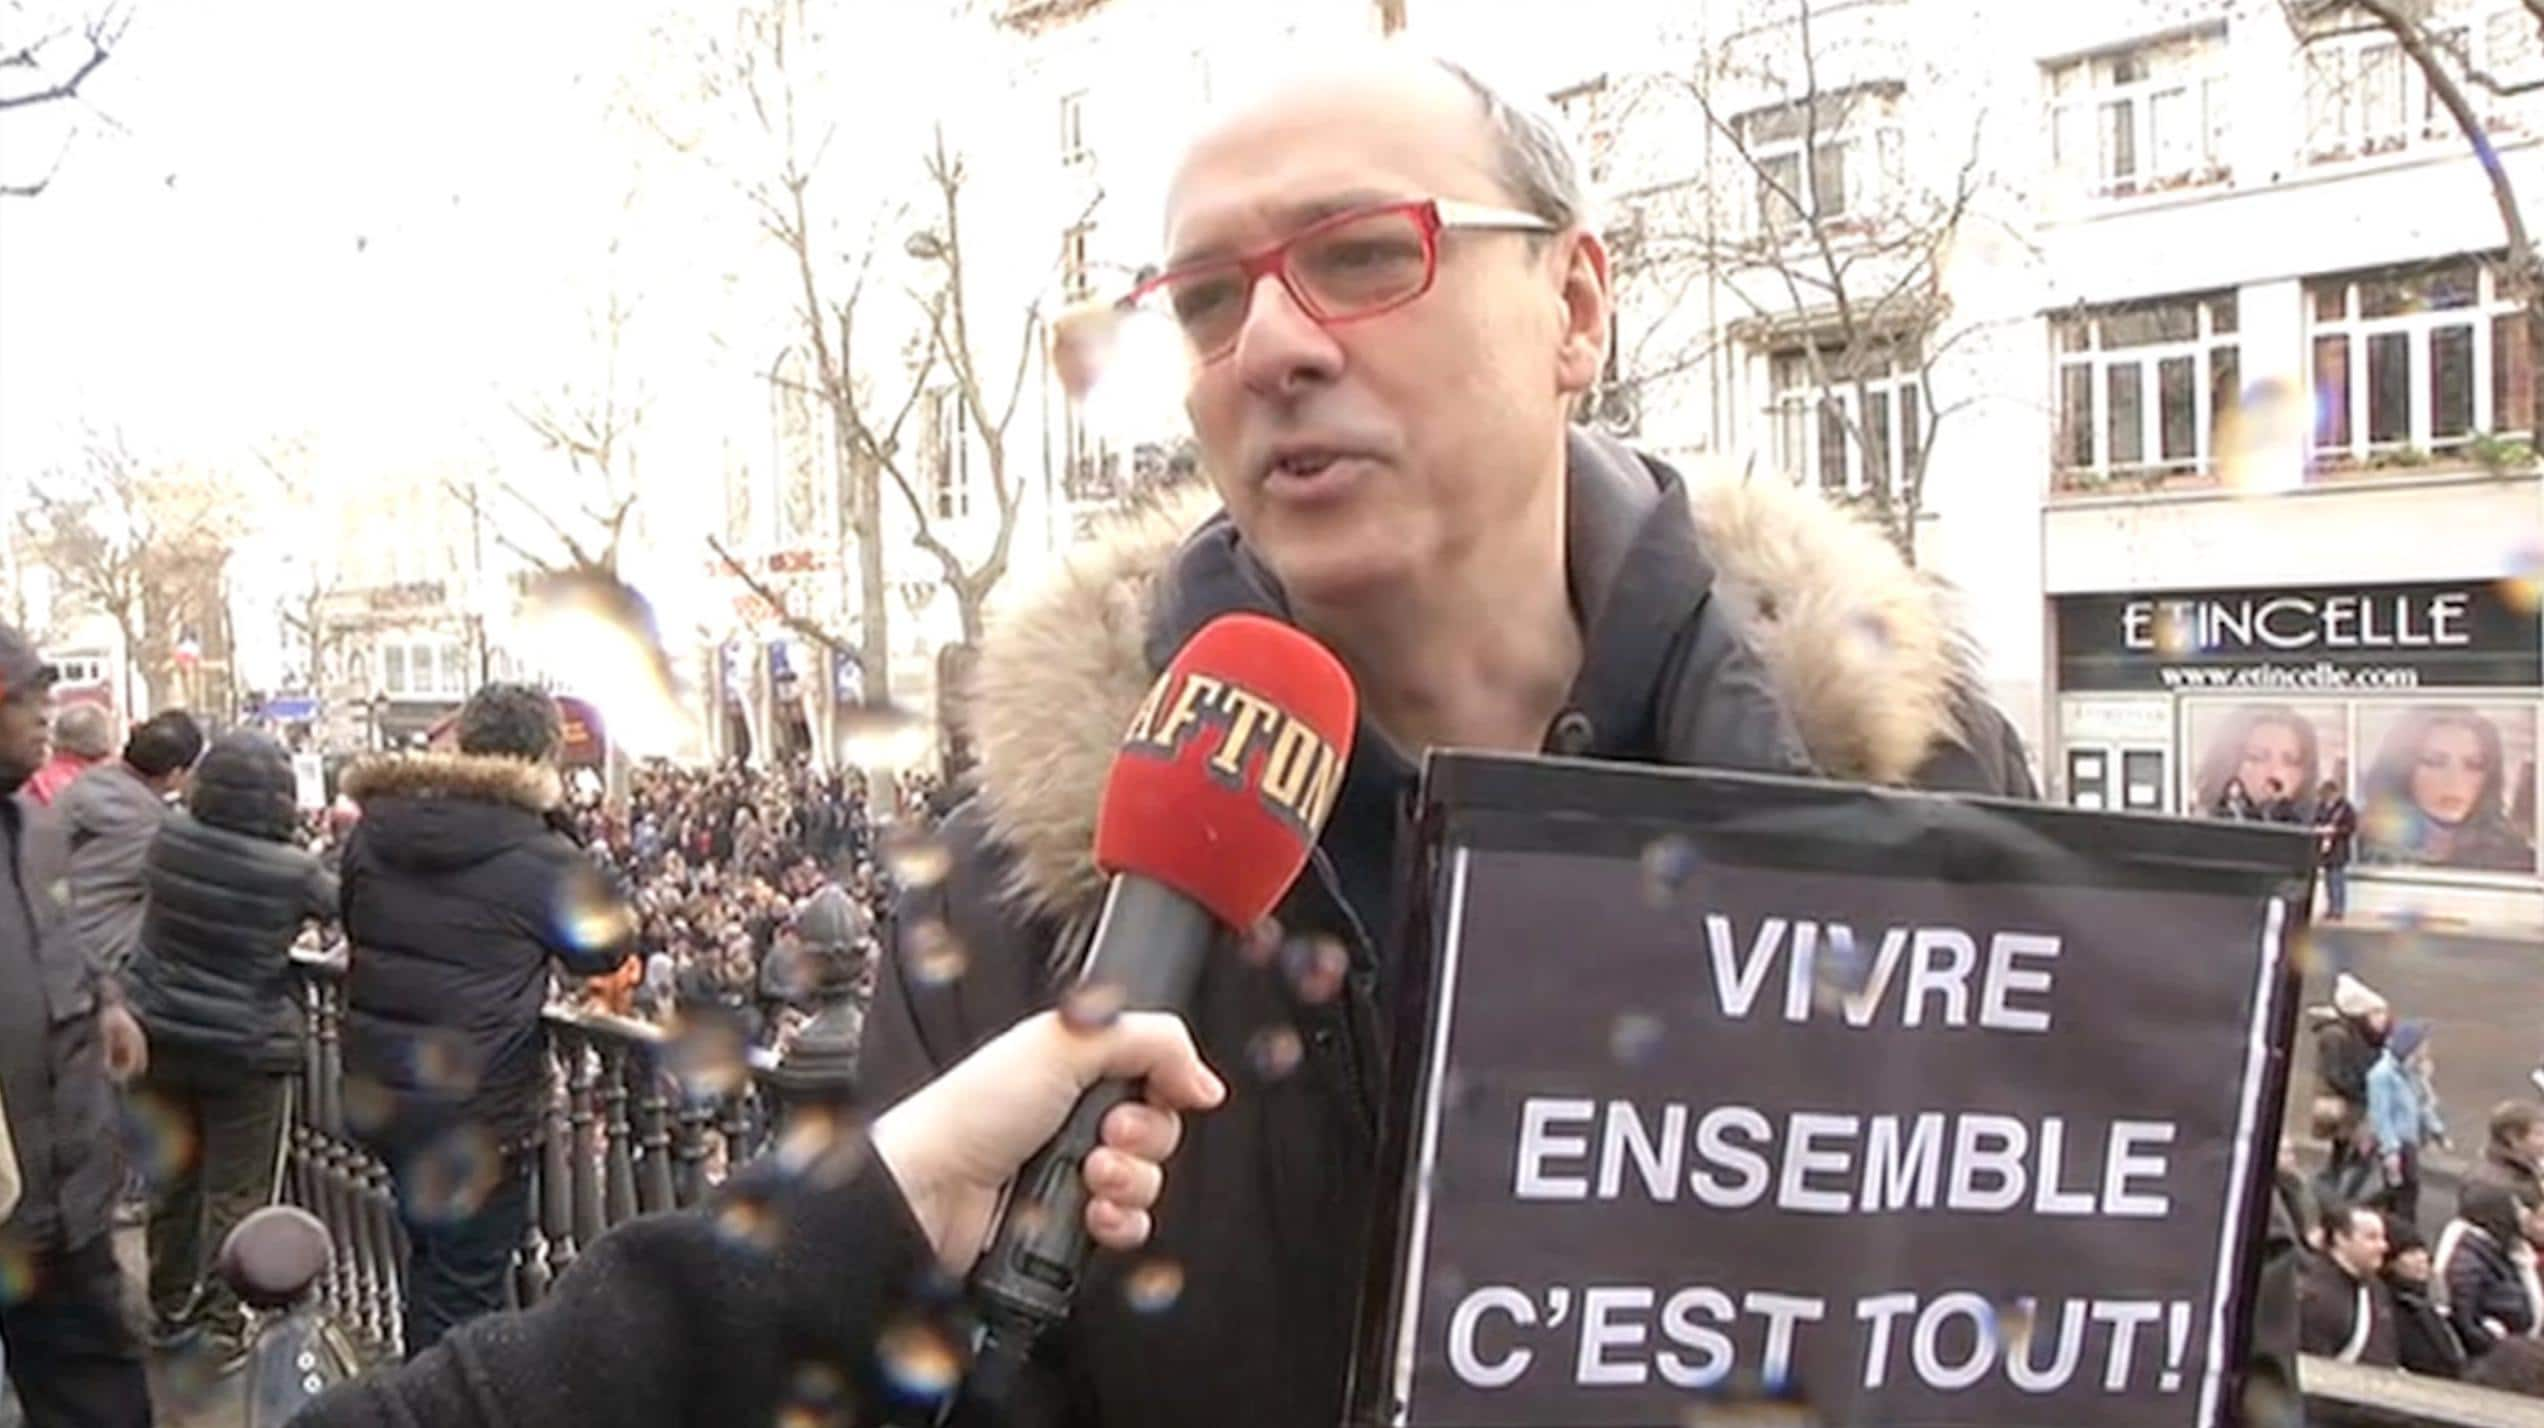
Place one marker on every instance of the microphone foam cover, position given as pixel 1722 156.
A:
pixel 1230 767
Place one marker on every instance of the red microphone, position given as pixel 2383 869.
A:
pixel 1216 799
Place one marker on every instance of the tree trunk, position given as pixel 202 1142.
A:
pixel 874 595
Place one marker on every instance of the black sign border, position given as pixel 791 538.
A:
pixel 1497 802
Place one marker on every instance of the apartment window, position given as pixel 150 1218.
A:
pixel 1820 161
pixel 1586 107
pixel 1077 280
pixel 2141 385
pixel 423 669
pixel 1846 436
pixel 1073 145
pixel 2364 95
pixel 949 454
pixel 2415 360
pixel 2141 120
pixel 80 669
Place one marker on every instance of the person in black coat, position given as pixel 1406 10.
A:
pixel 2487 1268
pixel 228 893
pixel 816 1287
pixel 2425 1342
pixel 458 892
pixel 2344 1310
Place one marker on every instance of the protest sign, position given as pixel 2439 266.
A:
pixel 1921 1110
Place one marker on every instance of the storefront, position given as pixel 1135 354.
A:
pixel 2420 700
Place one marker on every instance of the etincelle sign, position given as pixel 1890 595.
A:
pixel 1926 1111
pixel 2446 634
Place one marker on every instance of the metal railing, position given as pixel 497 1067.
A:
pixel 619 1136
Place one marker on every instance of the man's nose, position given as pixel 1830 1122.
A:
pixel 1281 348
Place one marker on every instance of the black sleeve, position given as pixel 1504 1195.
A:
pixel 964 964
pixel 726 1314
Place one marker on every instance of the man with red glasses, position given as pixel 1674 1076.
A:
pixel 1392 303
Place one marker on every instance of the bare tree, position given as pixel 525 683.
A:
pixel 1829 244
pixel 145 548
pixel 874 366
pixel 593 426
pixel 44 59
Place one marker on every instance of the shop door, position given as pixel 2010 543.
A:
pixel 2116 776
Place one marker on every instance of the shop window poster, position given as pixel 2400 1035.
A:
pixel 2251 756
pixel 2451 784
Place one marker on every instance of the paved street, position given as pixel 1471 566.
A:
pixel 2482 995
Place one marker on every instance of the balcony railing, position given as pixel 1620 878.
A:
pixel 620 1136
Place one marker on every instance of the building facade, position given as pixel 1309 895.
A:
pixel 2182 345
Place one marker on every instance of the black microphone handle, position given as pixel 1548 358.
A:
pixel 1149 946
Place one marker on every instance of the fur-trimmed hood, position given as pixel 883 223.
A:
pixel 435 812
pixel 1862 653
pixel 479 778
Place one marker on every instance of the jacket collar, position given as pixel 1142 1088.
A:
pixel 475 778
pixel 1859 650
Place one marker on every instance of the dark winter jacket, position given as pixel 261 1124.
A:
pixel 1723 627
pixel 111 817
pixel 62 1114
pixel 672 1321
pixel 457 892
pixel 2487 1271
pixel 2505 1170
pixel 229 894
pixel 2423 1339
pixel 2329 1308
pixel 2344 1052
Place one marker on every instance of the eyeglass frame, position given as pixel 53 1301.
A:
pixel 1433 216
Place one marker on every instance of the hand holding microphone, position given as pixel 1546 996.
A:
pixel 1223 783
pixel 954 1142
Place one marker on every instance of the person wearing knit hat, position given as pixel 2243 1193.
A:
pixel 2345 1050
pixel 2402 1115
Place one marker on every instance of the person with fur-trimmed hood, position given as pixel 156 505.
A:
pixel 1392 300
pixel 459 889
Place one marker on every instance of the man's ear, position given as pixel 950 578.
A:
pixel 1584 303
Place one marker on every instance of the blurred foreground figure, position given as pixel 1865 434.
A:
pixel 71 1357
pixel 1393 296
pixel 229 893
pixel 83 735
pixel 822 1285
pixel 458 889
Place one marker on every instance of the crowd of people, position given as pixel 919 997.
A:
pixel 473 885
pixel 719 866
pixel 2377 1288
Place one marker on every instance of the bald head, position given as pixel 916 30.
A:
pixel 85 731
pixel 1525 153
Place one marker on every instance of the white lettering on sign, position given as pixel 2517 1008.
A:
pixel 1838 1163
pixel 1950 982
pixel 2358 620
pixel 1704 1333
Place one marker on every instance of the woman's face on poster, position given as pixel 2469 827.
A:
pixel 2448 774
pixel 2274 760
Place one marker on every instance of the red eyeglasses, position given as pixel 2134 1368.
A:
pixel 1342 269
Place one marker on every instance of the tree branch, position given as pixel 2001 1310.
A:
pixel 785 609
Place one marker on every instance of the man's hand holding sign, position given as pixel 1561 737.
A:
pixel 1920 1112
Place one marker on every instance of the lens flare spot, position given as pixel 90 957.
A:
pixel 934 955
pixel 1275 1052
pixel 708 1053
pixel 590 915
pixel 747 1224
pixel 1669 864
pixel 450 1178
pixel 918 1362
pixel 1154 1286
pixel 916 859
pixel 18 1277
pixel 882 736
pixel 1634 1037
pixel 160 1139
pixel 1092 1006
pixel 1262 942
pixel 1317 967
pixel 597 634
pixel 2522 589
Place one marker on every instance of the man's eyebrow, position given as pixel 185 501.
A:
pixel 1289 218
